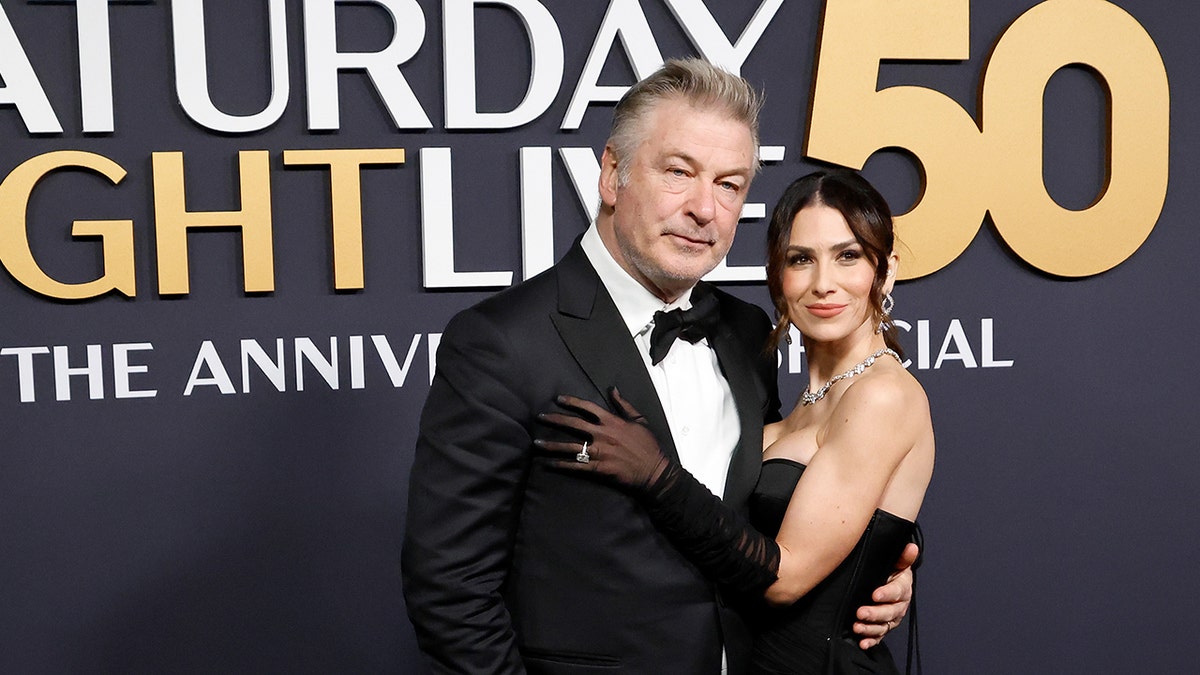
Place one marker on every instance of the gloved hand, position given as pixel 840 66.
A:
pixel 713 536
pixel 622 447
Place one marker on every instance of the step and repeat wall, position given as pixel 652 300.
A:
pixel 232 232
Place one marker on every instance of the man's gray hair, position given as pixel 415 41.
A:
pixel 701 84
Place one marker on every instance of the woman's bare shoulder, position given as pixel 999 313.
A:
pixel 888 396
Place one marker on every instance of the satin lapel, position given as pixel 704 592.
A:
pixel 738 368
pixel 592 329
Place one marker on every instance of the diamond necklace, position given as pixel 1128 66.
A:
pixel 809 398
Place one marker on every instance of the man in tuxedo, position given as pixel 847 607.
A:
pixel 510 566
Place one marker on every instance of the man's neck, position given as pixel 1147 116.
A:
pixel 634 301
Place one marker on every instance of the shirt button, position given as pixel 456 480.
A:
pixel 687 430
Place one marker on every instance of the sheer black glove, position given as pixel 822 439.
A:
pixel 621 447
pixel 708 532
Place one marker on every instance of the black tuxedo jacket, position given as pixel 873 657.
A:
pixel 510 566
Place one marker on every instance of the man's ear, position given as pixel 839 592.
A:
pixel 609 177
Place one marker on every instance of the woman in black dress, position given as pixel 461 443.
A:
pixel 844 474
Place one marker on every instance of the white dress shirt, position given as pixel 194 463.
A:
pixel 694 394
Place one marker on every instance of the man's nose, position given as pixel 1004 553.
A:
pixel 702 202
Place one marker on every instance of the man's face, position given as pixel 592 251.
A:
pixel 675 218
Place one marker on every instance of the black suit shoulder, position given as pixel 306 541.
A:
pixel 750 326
pixel 532 296
pixel 745 318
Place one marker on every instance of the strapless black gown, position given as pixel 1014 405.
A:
pixel 816 635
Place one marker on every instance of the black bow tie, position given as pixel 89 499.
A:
pixel 692 325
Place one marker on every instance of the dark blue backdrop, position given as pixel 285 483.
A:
pixel 260 530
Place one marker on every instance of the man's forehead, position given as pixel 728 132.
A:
pixel 678 136
pixel 696 154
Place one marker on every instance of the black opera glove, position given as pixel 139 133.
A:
pixel 713 536
pixel 620 447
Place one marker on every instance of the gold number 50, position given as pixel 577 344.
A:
pixel 995 165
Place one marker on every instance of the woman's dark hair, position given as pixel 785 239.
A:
pixel 869 218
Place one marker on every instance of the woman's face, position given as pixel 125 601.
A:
pixel 827 277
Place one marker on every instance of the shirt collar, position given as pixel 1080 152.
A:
pixel 636 304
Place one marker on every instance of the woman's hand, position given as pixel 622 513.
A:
pixel 621 446
pixel 716 538
pixel 891 602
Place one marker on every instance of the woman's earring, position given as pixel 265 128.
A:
pixel 885 321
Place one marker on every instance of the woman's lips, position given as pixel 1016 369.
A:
pixel 825 311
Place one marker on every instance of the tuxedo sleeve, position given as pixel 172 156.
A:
pixel 471 461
